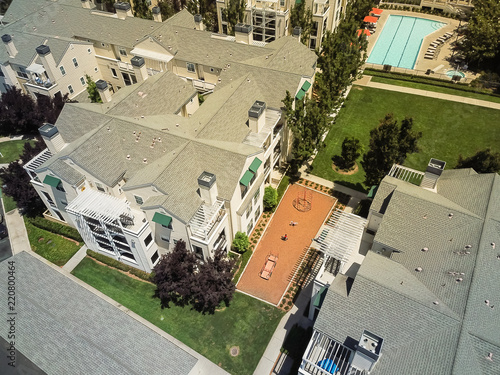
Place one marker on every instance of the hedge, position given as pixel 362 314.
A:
pixel 56 228
pixel 426 80
pixel 119 265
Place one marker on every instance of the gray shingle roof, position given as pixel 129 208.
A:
pixel 391 299
pixel 60 325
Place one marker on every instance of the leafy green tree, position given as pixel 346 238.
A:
pixel 234 13
pixel 301 16
pixel 92 90
pixel 240 242
pixel 481 44
pixel 351 150
pixel 484 161
pixel 166 9
pixel 207 9
pixel 308 123
pixel 385 148
pixel 270 198
pixel 214 284
pixel 141 9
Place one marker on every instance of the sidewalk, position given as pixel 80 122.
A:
pixel 75 259
pixel 366 81
pixel 17 232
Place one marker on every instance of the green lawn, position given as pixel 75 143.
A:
pixel 247 322
pixel 430 87
pixel 51 246
pixel 11 150
pixel 448 128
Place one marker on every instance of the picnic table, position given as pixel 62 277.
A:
pixel 268 268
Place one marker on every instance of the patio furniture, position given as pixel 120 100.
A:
pixel 268 268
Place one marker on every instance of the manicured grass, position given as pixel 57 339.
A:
pixel 9 204
pixel 247 322
pixel 11 150
pixel 285 181
pixel 443 90
pixel 51 246
pixel 448 128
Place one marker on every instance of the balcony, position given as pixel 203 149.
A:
pixel 31 166
pixel 206 218
pixel 259 139
pixel 125 66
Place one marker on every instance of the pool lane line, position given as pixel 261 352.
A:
pixel 407 39
pixel 392 41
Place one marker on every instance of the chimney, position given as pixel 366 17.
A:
pixel 208 188
pixel 156 14
pixel 297 30
pixel 52 138
pixel 257 116
pixel 103 89
pixel 86 4
pixel 9 44
pixel 140 71
pixel 367 352
pixel 123 10
pixel 199 22
pixel 434 170
pixel 48 61
pixel 243 33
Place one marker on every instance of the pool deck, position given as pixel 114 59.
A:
pixel 440 64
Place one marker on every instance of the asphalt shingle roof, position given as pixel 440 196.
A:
pixel 61 327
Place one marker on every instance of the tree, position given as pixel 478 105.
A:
pixel 308 123
pixel 301 16
pixel 240 242
pixel 385 149
pixel 141 10
pixel 351 150
pixel 214 283
pixel 17 181
pixel 208 10
pixel 18 113
pixel 92 90
pixel 234 13
pixel 484 161
pixel 174 276
pixel 270 198
pixel 166 9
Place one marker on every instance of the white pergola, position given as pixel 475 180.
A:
pixel 344 232
pixel 100 206
pixel 205 219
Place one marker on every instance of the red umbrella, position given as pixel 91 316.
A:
pixel 376 11
pixel 366 32
pixel 370 19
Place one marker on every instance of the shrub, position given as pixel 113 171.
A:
pixel 119 265
pixel 56 228
pixel 270 198
pixel 240 242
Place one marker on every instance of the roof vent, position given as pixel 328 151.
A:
pixel 436 302
pixel 128 157
pixel 418 269
pixel 490 357
pixel 450 215
pixel 468 246
pixel 492 245
pixel 425 249
pixel 459 279
pixel 145 160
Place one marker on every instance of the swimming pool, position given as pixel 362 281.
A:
pixel 400 41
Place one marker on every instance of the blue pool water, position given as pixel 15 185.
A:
pixel 400 41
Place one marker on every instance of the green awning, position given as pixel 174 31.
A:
pixel 306 86
pixel 162 219
pixel 300 94
pixel 297 2
pixel 247 177
pixel 255 165
pixel 373 191
pixel 320 297
pixel 52 181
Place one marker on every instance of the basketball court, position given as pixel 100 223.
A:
pixel 308 209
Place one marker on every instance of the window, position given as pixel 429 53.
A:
pixel 123 52
pixel 257 214
pixel 99 186
pixel 63 72
pixel 249 227
pixel 282 3
pixel 165 238
pixel 75 62
pixel 1 73
pixel 256 196
pixel 89 50
pixel 155 257
pixel 128 256
pixel 198 251
pixel 82 80
pixel 175 242
pixel 113 72
pixel 138 200
pixel 70 89
pixel 22 73
pixel 49 198
pixel 249 209
pixel 103 44
pixel 190 67
pixel 60 187
pixel 64 203
pixel 212 70
pixel 95 69
pixel 148 239
pixel 59 215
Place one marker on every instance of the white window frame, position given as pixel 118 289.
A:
pixel 123 51
pixel 70 89
pixel 82 80
pixel 190 64
pixel 63 71
pixel 113 73
pixel 75 62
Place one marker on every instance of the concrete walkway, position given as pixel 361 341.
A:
pixel 17 232
pixel 75 259
pixel 366 81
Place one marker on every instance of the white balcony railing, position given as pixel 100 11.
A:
pixel 206 218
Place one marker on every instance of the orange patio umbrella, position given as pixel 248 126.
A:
pixel 366 32
pixel 370 19
pixel 376 11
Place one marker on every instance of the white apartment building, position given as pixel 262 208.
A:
pixel 151 166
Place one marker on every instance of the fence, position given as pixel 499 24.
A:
pixel 415 72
